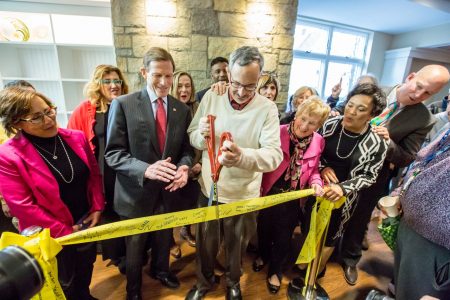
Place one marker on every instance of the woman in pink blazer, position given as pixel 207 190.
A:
pixel 49 178
pixel 302 148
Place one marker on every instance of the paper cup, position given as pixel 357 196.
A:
pixel 390 205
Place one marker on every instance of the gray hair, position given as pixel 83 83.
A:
pixel 367 78
pixel 246 55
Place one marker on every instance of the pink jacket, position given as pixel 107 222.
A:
pixel 310 166
pixel 83 118
pixel 32 192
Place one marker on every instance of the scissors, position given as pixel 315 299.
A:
pixel 216 167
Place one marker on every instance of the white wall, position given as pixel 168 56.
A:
pixel 381 42
pixel 428 37
pixel 55 8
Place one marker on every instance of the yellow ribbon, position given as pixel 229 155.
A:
pixel 44 248
pixel 319 221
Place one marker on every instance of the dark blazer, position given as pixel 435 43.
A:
pixel 407 131
pixel 132 145
pixel 199 95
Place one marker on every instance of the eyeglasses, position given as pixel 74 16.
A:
pixel 38 118
pixel 111 81
pixel 247 87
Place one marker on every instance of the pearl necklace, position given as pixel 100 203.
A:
pixel 354 147
pixel 54 149
pixel 53 167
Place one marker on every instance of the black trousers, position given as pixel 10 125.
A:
pixel 136 247
pixel 75 265
pixel 276 225
pixel 351 249
pixel 113 249
pixel 421 266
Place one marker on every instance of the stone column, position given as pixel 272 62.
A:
pixel 196 31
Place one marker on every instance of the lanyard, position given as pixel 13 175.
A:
pixel 438 151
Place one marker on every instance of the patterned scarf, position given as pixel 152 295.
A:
pixel 385 115
pixel 294 172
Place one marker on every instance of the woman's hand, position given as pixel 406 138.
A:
pixel 333 192
pixel 318 190
pixel 329 176
pixel 93 218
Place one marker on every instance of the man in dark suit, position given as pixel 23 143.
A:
pixel 406 129
pixel 148 147
pixel 218 72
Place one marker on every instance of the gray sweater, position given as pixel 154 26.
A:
pixel 426 204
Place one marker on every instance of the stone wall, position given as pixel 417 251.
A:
pixel 196 31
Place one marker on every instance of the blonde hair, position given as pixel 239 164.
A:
pixel 176 79
pixel 265 80
pixel 314 106
pixel 93 89
pixel 15 103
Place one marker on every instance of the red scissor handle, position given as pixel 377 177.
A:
pixel 211 145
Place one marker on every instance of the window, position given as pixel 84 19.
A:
pixel 326 53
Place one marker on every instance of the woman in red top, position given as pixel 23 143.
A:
pixel 91 117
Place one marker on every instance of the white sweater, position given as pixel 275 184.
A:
pixel 255 129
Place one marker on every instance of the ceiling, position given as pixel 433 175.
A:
pixel 388 16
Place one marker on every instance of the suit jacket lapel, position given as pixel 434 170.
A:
pixel 145 106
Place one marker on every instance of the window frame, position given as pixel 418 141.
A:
pixel 326 58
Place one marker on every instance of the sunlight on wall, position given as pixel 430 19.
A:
pixel 260 20
pixel 161 8
pixel 161 16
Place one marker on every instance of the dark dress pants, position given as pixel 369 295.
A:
pixel 351 249
pixel 137 245
pixel 275 227
pixel 235 233
pixel 75 265
pixel 421 266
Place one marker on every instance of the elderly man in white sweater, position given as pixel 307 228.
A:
pixel 253 122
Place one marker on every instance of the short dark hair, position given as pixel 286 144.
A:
pixel 157 54
pixel 218 59
pixel 19 83
pixel 373 91
pixel 15 102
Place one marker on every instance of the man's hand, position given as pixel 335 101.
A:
pixel 336 90
pixel 381 131
pixel 231 154
pixel 203 126
pixel 195 170
pixel 333 192
pixel 180 179
pixel 219 87
pixel 329 176
pixel 161 170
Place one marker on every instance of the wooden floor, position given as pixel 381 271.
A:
pixel 375 271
